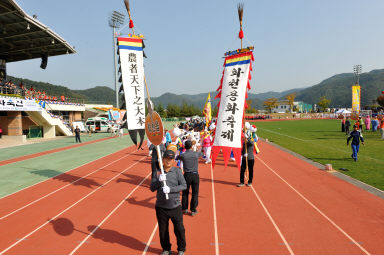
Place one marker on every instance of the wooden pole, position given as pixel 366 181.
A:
pixel 246 174
pixel 161 167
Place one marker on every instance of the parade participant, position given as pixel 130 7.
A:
pixel 368 123
pixel 375 124
pixel 178 142
pixel 255 138
pixel 356 136
pixel 121 132
pixel 155 160
pixel 347 125
pixel 361 123
pixel 190 161
pixel 167 209
pixel 168 138
pixel 343 125
pixel 77 134
pixel 207 146
pixel 382 128
pixel 247 141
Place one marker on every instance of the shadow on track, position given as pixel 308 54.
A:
pixel 145 202
pixel 65 227
pixel 64 177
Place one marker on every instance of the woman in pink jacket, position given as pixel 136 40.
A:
pixel 207 145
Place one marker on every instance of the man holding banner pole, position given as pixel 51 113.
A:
pixel 169 184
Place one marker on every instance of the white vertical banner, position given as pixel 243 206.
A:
pixel 233 90
pixel 132 71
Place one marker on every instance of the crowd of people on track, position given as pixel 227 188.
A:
pixel 180 156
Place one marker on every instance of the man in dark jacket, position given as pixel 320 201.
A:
pixel 77 134
pixel 347 125
pixel 190 161
pixel 251 160
pixel 169 208
pixel 356 136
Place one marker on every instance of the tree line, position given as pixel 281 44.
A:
pixel 323 103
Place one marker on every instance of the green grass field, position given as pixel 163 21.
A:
pixel 322 141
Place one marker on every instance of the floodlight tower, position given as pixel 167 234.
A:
pixel 115 21
pixel 357 70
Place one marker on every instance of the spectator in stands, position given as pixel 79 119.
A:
pixel 1 132
pixel 77 134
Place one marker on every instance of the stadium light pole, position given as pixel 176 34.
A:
pixel 115 21
pixel 357 70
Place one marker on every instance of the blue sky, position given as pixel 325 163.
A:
pixel 298 43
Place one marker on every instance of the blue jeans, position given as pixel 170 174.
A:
pixel 355 150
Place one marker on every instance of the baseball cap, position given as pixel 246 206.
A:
pixel 169 154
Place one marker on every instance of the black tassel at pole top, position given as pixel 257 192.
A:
pixel 240 11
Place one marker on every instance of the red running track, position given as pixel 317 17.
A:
pixel 292 208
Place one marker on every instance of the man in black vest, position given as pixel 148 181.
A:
pixel 190 161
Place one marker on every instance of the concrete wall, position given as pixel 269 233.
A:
pixel 4 124
pixel 26 121
pixel 15 124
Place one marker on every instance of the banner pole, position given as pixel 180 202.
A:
pixel 246 151
pixel 159 156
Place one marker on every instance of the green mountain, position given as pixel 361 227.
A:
pixel 50 89
pixel 98 95
pixel 269 94
pixel 338 89
pixel 197 100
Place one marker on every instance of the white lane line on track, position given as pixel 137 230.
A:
pixel 37 200
pixel 62 173
pixel 150 239
pixel 214 222
pixel 273 222
pixel 314 207
pixel 109 215
pixel 214 214
pixel 53 218
pixel 292 137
